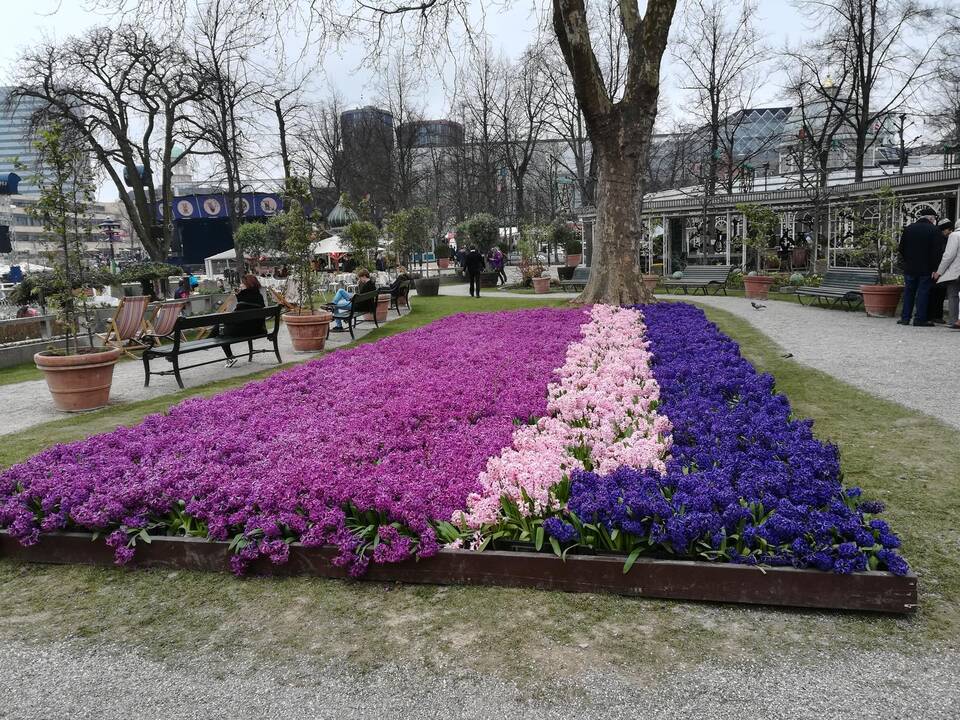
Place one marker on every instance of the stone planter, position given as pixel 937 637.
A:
pixel 541 285
pixel 650 282
pixel 756 287
pixel 308 330
pixel 489 279
pixel 79 382
pixel 881 300
pixel 574 260
pixel 428 287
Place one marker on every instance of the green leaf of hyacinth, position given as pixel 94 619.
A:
pixel 538 542
pixel 555 544
pixel 631 559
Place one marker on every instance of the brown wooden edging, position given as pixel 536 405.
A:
pixel 672 579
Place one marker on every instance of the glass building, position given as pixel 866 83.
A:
pixel 17 153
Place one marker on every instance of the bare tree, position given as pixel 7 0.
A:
pixel 481 89
pixel 877 41
pixel 400 91
pixel 521 115
pixel 125 95
pixel 317 145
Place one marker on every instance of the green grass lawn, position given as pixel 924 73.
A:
pixel 901 457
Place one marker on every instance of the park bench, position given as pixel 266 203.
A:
pixel 221 324
pixel 579 280
pixel 840 285
pixel 360 303
pixel 398 296
pixel 702 277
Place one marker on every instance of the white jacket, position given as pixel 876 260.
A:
pixel 950 264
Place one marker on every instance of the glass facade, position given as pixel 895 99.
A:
pixel 17 153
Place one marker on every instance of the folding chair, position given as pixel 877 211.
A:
pixel 127 323
pixel 164 319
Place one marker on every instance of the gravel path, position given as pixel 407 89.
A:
pixel 915 367
pixel 28 403
pixel 65 680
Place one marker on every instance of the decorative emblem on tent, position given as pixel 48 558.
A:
pixel 185 208
pixel 268 205
pixel 212 206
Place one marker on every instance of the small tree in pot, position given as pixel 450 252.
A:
pixel 875 243
pixel 762 223
pixel 294 232
pixel 78 377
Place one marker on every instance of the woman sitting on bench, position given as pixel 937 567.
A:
pixel 248 298
pixel 402 277
pixel 342 299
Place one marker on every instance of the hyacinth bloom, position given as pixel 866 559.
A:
pixel 745 481
pixel 601 415
pixel 401 429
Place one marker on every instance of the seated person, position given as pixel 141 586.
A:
pixel 183 289
pixel 401 279
pixel 341 301
pixel 248 298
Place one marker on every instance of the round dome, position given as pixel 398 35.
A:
pixel 341 216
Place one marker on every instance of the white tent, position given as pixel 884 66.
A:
pixel 216 264
pixel 332 244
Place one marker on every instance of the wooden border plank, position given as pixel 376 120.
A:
pixel 666 579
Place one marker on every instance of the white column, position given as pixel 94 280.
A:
pixel 729 234
pixel 743 244
pixel 664 241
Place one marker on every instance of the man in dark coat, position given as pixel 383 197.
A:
pixel 919 248
pixel 473 263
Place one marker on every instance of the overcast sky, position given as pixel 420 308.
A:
pixel 23 22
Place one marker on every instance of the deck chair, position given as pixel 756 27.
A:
pixel 127 323
pixel 281 299
pixel 164 319
pixel 226 306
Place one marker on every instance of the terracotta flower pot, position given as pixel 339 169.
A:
pixel 881 300
pixel 541 285
pixel 383 307
pixel 308 331
pixel 79 382
pixel 757 286
pixel 574 260
pixel 650 282
pixel 443 263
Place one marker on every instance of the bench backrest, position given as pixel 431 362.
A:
pixel 707 273
pixel 581 273
pixel 365 302
pixel 849 278
pixel 237 316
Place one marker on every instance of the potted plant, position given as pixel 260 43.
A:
pixel 574 250
pixel 531 269
pixel 761 224
pixel 79 376
pixel 650 281
pixel 307 325
pixel 875 243
pixel 541 284
pixel 443 256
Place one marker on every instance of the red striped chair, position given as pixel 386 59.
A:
pixel 163 320
pixel 127 323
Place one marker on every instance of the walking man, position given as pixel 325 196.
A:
pixel 919 255
pixel 473 264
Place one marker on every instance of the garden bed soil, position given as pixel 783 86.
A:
pixel 668 579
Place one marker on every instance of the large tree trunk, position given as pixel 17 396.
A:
pixel 615 275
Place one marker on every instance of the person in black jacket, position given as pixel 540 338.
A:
pixel 473 263
pixel 248 297
pixel 919 248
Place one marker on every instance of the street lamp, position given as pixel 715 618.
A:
pixel 109 228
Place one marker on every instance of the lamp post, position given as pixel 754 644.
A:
pixel 109 228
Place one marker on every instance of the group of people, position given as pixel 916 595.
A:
pixel 930 257
pixel 473 262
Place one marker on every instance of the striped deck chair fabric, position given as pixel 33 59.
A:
pixel 165 318
pixel 226 306
pixel 127 322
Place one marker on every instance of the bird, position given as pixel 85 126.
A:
pixel 787 355
pixel 757 306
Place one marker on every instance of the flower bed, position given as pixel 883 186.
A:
pixel 656 439
pixel 360 449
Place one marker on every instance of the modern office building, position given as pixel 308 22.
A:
pixel 431 133
pixel 17 153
